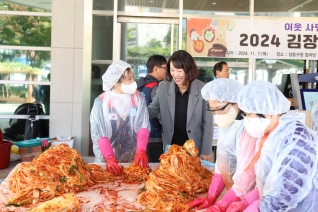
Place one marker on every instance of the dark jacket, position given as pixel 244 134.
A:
pixel 147 86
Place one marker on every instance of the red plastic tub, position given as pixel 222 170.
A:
pixel 5 150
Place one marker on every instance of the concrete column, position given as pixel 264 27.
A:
pixel 67 69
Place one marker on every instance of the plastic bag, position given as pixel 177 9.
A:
pixel 14 155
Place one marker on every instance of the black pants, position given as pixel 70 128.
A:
pixel 154 150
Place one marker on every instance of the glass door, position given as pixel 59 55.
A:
pixel 139 41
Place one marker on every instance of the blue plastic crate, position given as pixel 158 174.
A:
pixel 31 142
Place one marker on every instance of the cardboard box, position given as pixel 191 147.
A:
pixel 304 116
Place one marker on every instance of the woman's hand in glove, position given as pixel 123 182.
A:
pixel 112 166
pixel 201 203
pixel 222 205
pixel 141 158
pixel 215 208
pixel 249 198
pixel 215 190
pixel 238 206
pixel 108 153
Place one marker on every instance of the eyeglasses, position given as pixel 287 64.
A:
pixel 165 68
pixel 220 109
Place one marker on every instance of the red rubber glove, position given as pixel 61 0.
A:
pixel 201 203
pixel 215 190
pixel 247 200
pixel 141 158
pixel 112 166
pixel 108 154
pixel 225 202
pixel 142 142
pixel 215 208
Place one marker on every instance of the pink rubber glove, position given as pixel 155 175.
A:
pixel 253 207
pixel 225 202
pixel 112 166
pixel 247 200
pixel 238 206
pixel 142 142
pixel 108 153
pixel 215 190
pixel 45 143
pixel 141 158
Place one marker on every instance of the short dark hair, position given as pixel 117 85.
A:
pixel 182 59
pixel 155 60
pixel 218 67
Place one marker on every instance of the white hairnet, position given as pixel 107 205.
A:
pixel 263 98
pixel 221 90
pixel 314 115
pixel 113 74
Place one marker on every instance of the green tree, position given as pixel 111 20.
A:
pixel 129 33
pixel 6 55
pixel 152 47
pixel 25 31
pixel 153 43
pixel 167 38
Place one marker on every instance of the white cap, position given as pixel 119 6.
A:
pixel 263 98
pixel 221 90
pixel 113 74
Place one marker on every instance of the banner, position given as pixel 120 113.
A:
pixel 245 38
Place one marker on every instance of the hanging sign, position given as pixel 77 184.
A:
pixel 246 38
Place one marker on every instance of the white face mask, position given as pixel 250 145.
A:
pixel 128 89
pixel 256 126
pixel 227 119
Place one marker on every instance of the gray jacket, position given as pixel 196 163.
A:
pixel 199 120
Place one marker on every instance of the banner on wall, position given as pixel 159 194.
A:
pixel 245 38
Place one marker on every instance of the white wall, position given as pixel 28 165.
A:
pixel 67 69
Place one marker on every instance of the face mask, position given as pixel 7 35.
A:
pixel 256 126
pixel 227 119
pixel 128 89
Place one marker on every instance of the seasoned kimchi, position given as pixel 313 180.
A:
pixel 175 182
pixel 57 171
